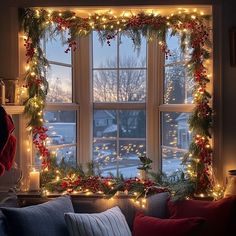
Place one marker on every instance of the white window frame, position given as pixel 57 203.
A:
pixel 83 101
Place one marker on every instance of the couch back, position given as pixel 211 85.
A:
pixel 10 200
pixel 155 205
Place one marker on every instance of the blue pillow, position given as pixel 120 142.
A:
pixel 45 219
pixel 108 223
pixel 2 225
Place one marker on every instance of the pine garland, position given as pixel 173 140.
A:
pixel 193 30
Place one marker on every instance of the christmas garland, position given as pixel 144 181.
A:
pixel 193 30
pixel 63 179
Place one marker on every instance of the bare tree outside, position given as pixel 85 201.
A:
pixel 127 86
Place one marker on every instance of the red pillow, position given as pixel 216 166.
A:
pixel 218 214
pixel 151 226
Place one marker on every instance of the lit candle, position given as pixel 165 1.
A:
pixel 34 180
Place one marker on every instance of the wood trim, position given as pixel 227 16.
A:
pixel 61 106
pixel 217 92
pixel 85 129
pixel 115 106
pixel 176 107
pixel 14 110
pixel 131 3
pixel 152 103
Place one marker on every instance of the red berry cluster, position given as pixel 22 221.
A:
pixel 29 49
pixel 71 45
pixel 61 23
pixel 70 184
pixel 204 110
pixel 39 138
pixel 110 37
pixel 204 149
pixel 92 184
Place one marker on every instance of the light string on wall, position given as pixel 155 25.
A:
pixel 194 31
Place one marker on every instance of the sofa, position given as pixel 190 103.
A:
pixel 214 217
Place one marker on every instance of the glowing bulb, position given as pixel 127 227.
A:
pixel 27 67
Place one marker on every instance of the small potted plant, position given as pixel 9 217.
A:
pixel 144 167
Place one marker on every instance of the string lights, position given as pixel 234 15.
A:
pixel 192 25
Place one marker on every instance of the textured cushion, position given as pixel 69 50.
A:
pixel 218 214
pixel 108 223
pixel 45 219
pixel 2 225
pixel 151 226
pixel 156 206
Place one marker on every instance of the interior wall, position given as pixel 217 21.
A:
pixel 229 89
pixel 9 60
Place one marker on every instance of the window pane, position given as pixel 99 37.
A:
pixel 104 123
pixel 171 160
pixel 55 51
pixel 104 56
pixel 132 85
pixel 176 139
pixel 178 85
pixel 105 155
pixel 173 44
pixel 132 124
pixel 176 54
pixel 60 84
pixel 117 149
pixel 61 127
pixel 131 57
pixel 129 157
pixel 105 86
pixel 66 156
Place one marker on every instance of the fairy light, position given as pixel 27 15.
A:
pixel 27 67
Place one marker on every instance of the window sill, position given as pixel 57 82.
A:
pixel 14 109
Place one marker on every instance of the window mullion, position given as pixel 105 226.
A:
pixel 176 107
pixel 154 98
pixel 83 94
pixel 117 106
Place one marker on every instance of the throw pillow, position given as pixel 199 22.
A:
pixel 151 226
pixel 2 225
pixel 108 223
pixel 42 220
pixel 218 214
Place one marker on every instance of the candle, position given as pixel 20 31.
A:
pixel 34 180
pixel 2 92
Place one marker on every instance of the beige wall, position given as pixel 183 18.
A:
pixel 229 89
pixel 226 11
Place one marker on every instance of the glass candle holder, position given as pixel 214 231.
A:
pixel 231 184
pixel 34 178
pixel 2 92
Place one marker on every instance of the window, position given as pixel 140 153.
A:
pixel 61 113
pixel 178 90
pixel 112 104
pixel 119 115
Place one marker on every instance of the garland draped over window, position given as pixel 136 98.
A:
pixel 194 31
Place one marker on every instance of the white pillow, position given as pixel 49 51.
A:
pixel 108 223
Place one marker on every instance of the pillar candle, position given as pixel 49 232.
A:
pixel 34 180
